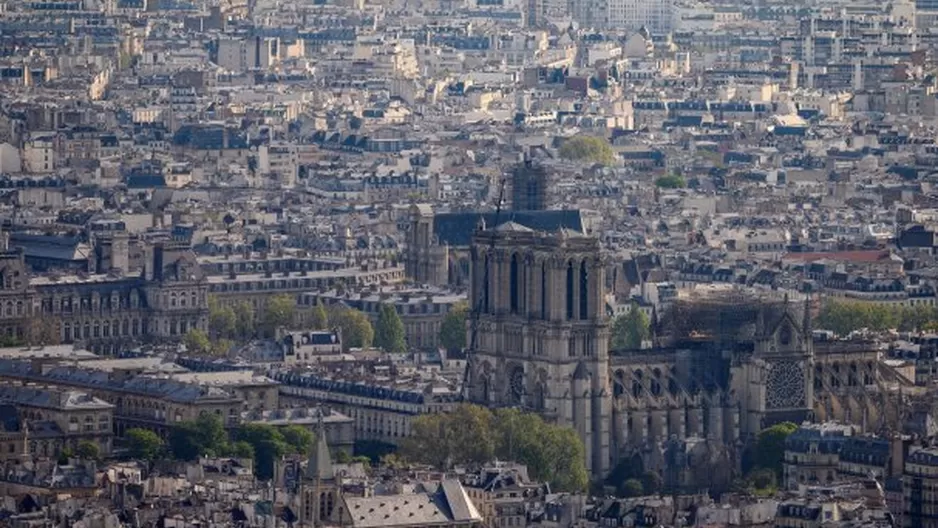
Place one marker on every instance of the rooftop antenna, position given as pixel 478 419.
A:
pixel 477 309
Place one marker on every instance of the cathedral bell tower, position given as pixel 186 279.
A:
pixel 542 339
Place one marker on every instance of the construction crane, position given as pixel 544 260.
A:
pixel 478 305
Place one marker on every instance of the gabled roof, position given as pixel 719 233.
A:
pixel 448 505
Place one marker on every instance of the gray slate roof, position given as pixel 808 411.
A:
pixel 456 229
pixel 448 504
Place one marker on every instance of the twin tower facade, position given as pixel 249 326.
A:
pixel 540 342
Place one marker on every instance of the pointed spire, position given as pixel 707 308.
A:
pixel 319 465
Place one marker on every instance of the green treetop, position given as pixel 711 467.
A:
pixel 389 330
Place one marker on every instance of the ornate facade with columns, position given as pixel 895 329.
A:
pixel 543 339
pixel 725 370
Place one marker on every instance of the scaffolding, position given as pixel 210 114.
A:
pixel 723 314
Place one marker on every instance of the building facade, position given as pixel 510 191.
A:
pixel 105 312
pixel 726 369
pixel 54 420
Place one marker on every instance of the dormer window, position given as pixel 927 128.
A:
pixel 784 337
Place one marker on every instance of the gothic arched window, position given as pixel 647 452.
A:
pixel 570 290
pixel 584 291
pixel 544 290
pixel 485 284
pixel 326 505
pixel 513 283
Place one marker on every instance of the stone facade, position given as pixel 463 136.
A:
pixel 105 312
pixel 727 369
pixel 542 337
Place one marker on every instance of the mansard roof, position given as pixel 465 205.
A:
pixel 159 387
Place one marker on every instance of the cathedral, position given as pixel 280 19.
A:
pixel 720 371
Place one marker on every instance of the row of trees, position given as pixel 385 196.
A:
pixel 844 317
pixel 473 435
pixel 239 323
pixel 206 436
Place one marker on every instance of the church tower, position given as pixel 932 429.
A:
pixel 542 341
pixel 320 491
pixel 425 260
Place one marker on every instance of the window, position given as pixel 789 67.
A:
pixel 569 290
pixel 513 283
pixel 485 285
pixel 544 290
pixel 584 291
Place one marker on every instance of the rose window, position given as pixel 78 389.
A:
pixel 785 386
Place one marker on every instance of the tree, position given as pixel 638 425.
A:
pixel 651 482
pixel 205 436
pixel 319 319
pixel 244 320
pixel 763 479
pixel 354 326
pixel 298 438
pixel 844 317
pixel 88 450
pixel 221 347
pixel 463 436
pixel 567 456
pixel 143 444
pixel 631 329
pixel 64 456
pixel 197 341
pixel 453 328
pixel 268 443
pixel 279 313
pixel 473 435
pixel 671 181
pixel 389 330
pixel 589 149
pixel 222 320
pixel 242 449
pixel 632 488
pixel 627 468
pixel 770 447
pixel 41 331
